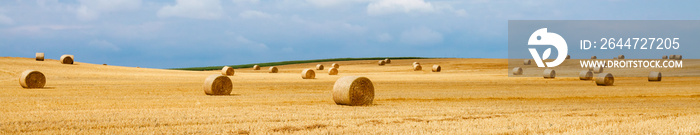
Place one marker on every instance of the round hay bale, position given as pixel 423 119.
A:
pixel 594 57
pixel 333 71
pixel 568 56
pixel 517 71
pixel 664 57
pixel 604 79
pixel 381 62
pixel 228 71
pixel 585 75
pixel 387 60
pixel 319 67
pixel 335 65
pixel 273 69
pixel 654 76
pixel 104 64
pixel 417 67
pixel 672 57
pixel 414 63
pixel 256 67
pixel 549 74
pixel 353 91
pixel 218 85
pixel 308 74
pixel 32 79
pixel 527 62
pixel 679 57
pixel 598 69
pixel 621 56
pixel 437 68
pixel 615 57
pixel 39 56
pixel 67 59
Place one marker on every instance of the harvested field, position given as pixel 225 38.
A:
pixel 473 96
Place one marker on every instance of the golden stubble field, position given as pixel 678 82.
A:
pixel 470 96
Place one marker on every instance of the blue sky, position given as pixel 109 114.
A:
pixel 190 33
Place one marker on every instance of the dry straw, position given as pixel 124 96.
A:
pixel 335 65
pixel 218 85
pixel 598 69
pixel 654 76
pixel 594 57
pixel 585 75
pixel 273 69
pixel 308 74
pixel 621 56
pixel 604 79
pixel 381 62
pixel 39 56
pixel 333 71
pixel 417 67
pixel 527 62
pixel 517 71
pixel 353 91
pixel 67 59
pixel 414 63
pixel 437 68
pixel 228 71
pixel 387 60
pixel 319 67
pixel 256 67
pixel 32 79
pixel 549 74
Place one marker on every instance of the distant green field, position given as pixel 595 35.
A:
pixel 291 62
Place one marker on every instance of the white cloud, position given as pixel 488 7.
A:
pixel 334 27
pixel 384 37
pixel 245 1
pixel 421 36
pixel 448 7
pixel 144 30
pixel 91 9
pixel 40 28
pixel 250 44
pixel 461 12
pixel 45 3
pixel 254 14
pixel 332 3
pixel 383 7
pixel 84 13
pixel 196 9
pixel 324 3
pixel 328 27
pixel 111 5
pixel 6 20
pixel 102 44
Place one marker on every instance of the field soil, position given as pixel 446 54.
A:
pixel 469 96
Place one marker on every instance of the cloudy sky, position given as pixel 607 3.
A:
pixel 191 33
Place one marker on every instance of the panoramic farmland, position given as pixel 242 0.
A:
pixel 467 96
